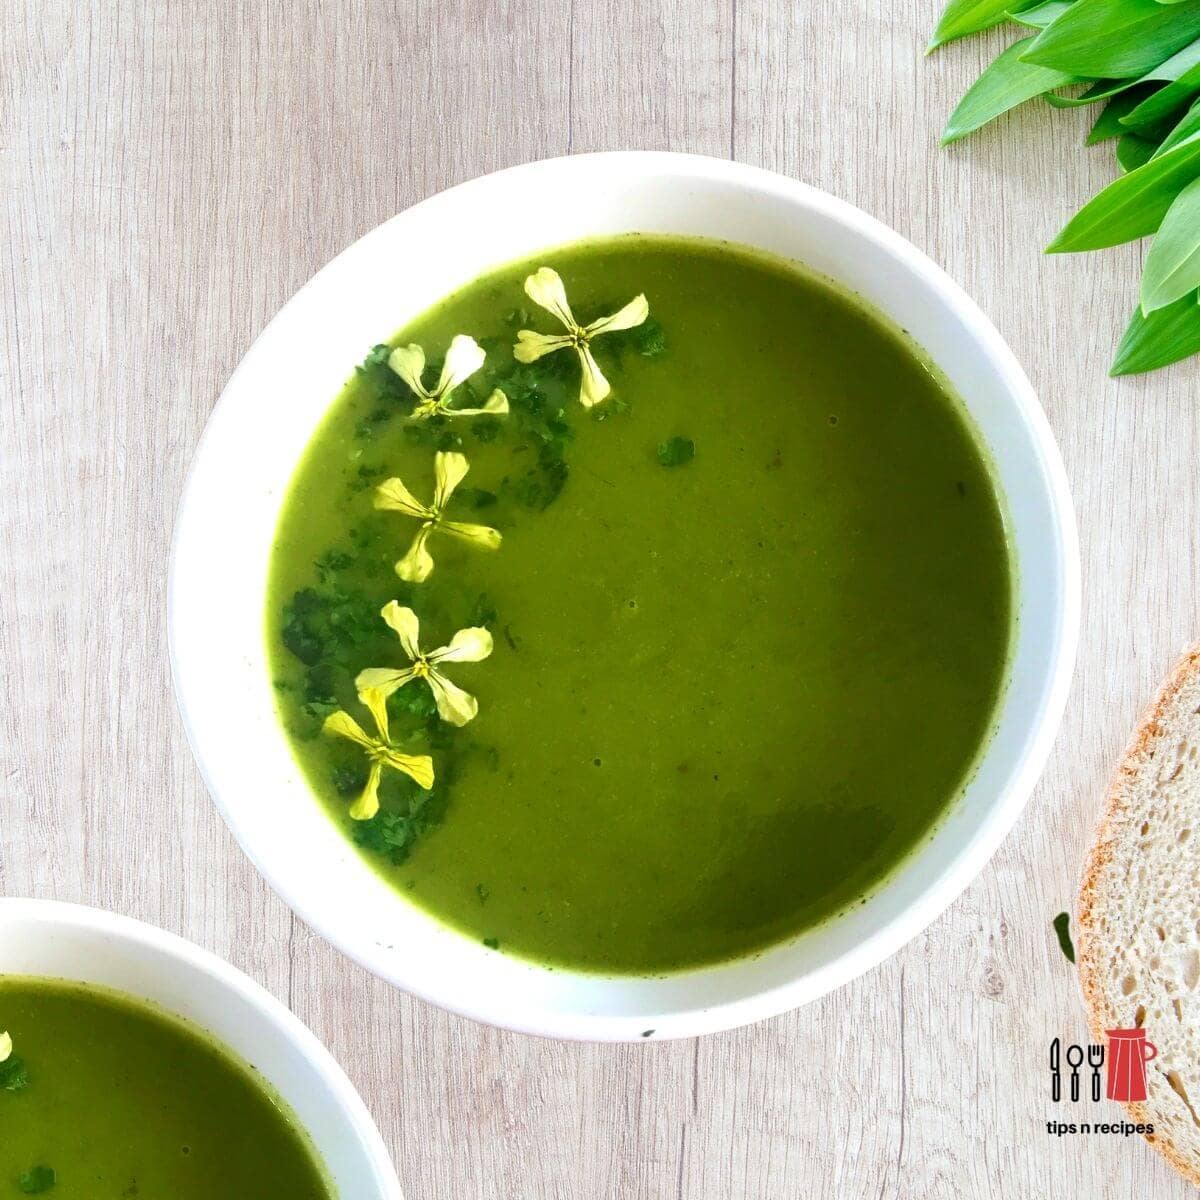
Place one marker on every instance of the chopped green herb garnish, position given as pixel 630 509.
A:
pixel 1062 927
pixel 331 562
pixel 676 451
pixel 492 943
pixel 478 497
pixel 649 339
pixel 14 1075
pixel 36 1180
pixel 485 429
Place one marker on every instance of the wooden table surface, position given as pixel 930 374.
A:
pixel 173 172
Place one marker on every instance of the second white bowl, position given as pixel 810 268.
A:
pixel 87 945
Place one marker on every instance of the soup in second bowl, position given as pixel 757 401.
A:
pixel 641 605
pixel 104 1097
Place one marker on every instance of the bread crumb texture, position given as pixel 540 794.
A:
pixel 1138 924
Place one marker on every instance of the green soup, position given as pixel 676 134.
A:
pixel 104 1098
pixel 751 613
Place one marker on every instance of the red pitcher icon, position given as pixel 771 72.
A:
pixel 1128 1054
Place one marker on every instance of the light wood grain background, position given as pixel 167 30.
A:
pixel 172 172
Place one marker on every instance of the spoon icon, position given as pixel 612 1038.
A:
pixel 1074 1061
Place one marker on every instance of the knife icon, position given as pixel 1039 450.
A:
pixel 1055 1074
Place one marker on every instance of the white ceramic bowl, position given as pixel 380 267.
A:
pixel 68 941
pixel 285 384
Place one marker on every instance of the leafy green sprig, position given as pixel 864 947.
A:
pixel 1141 60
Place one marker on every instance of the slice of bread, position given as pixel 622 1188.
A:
pixel 1138 924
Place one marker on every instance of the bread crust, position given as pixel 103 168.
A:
pixel 1108 832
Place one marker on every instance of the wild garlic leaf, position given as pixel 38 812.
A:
pixel 1178 68
pixel 1117 39
pixel 1005 84
pixel 1165 336
pixel 1134 205
pixel 1041 15
pixel 1172 267
pixel 961 17
pixel 1108 123
pixel 1102 89
pixel 1183 129
pixel 1133 151
pixel 1162 105
pixel 1181 75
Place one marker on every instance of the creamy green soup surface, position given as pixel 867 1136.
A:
pixel 106 1098
pixel 751 612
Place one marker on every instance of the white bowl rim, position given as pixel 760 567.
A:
pixel 105 924
pixel 1022 777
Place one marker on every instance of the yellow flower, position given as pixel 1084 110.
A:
pixel 467 645
pixel 464 357
pixel 545 288
pixel 449 469
pixel 5 1047
pixel 380 753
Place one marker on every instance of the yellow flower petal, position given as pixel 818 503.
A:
pixel 531 346
pixel 376 703
pixel 417 565
pixel 449 470
pixel 634 313
pixel 453 704
pixel 342 724
pixel 496 403
pixel 367 805
pixel 467 645
pixel 463 359
pixel 383 679
pixel 482 536
pixel 393 495
pixel 408 628
pixel 593 387
pixel 409 363
pixel 5 1047
pixel 545 288
pixel 418 767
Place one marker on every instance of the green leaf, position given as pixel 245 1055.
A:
pixel 1108 123
pixel 1159 108
pixel 1181 74
pixel 1174 68
pixel 1172 267
pixel 1115 38
pixel 1062 929
pixel 1102 89
pixel 1132 206
pixel 1041 15
pixel 37 1180
pixel 1134 151
pixel 1005 84
pixel 676 451
pixel 961 17
pixel 1165 336
pixel 1183 129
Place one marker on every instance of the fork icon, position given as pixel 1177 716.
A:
pixel 1095 1060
